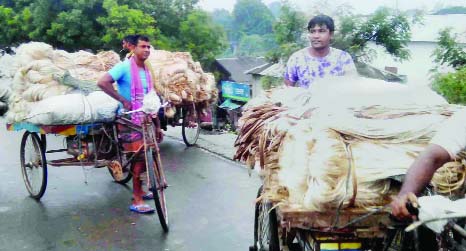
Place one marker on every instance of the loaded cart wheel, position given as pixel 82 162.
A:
pixel 33 164
pixel 265 227
pixel 191 125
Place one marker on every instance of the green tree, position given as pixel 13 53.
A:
pixel 121 20
pixel 71 29
pixel 13 26
pixel 288 31
pixel 224 18
pixel 452 85
pixel 386 27
pixel 168 13
pixel 101 24
pixel 252 17
pixel 448 51
pixel 256 45
pixel 201 37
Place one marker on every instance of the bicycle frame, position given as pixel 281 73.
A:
pixel 148 132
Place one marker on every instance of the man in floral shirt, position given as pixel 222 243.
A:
pixel 319 60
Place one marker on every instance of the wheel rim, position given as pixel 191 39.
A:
pixel 191 127
pixel 32 166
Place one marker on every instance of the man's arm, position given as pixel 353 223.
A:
pixel 106 84
pixel 349 67
pixel 418 176
pixel 422 170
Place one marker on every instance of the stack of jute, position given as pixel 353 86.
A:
pixel 40 73
pixel 181 80
pixel 325 155
pixel 37 72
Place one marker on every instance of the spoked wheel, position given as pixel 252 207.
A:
pixel 265 227
pixel 33 165
pixel 191 126
pixel 157 185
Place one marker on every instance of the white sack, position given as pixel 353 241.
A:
pixel 73 109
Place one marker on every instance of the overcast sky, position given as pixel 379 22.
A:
pixel 360 6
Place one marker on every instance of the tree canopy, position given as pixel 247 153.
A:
pixel 388 28
pixel 101 24
pixel 253 17
pixel 451 85
pixel 448 51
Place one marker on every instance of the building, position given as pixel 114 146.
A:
pixel 424 37
pixel 235 87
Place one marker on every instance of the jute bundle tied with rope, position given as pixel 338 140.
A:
pixel 38 72
pixel 181 80
pixel 317 159
pixel 42 72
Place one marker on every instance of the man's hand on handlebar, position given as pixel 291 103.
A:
pixel 404 205
pixel 127 105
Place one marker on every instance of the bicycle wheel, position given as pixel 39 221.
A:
pixel 157 186
pixel 265 227
pixel 191 126
pixel 33 165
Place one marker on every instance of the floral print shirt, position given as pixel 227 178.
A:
pixel 303 69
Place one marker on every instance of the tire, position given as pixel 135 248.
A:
pixel 265 227
pixel 43 140
pixel 33 164
pixel 157 186
pixel 190 134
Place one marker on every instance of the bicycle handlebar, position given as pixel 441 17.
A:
pixel 125 112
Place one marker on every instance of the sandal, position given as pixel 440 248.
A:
pixel 142 209
pixel 148 196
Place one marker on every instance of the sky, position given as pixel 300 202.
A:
pixel 360 6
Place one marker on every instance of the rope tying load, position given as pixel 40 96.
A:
pixel 317 158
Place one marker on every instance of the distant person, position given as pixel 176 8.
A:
pixel 129 44
pixel 319 60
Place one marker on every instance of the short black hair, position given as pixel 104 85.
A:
pixel 321 20
pixel 130 39
pixel 138 38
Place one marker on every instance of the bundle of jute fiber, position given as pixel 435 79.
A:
pixel 42 72
pixel 252 125
pixel 181 80
pixel 321 163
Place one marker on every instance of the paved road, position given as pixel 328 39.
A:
pixel 210 203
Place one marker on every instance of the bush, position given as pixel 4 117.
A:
pixel 452 86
